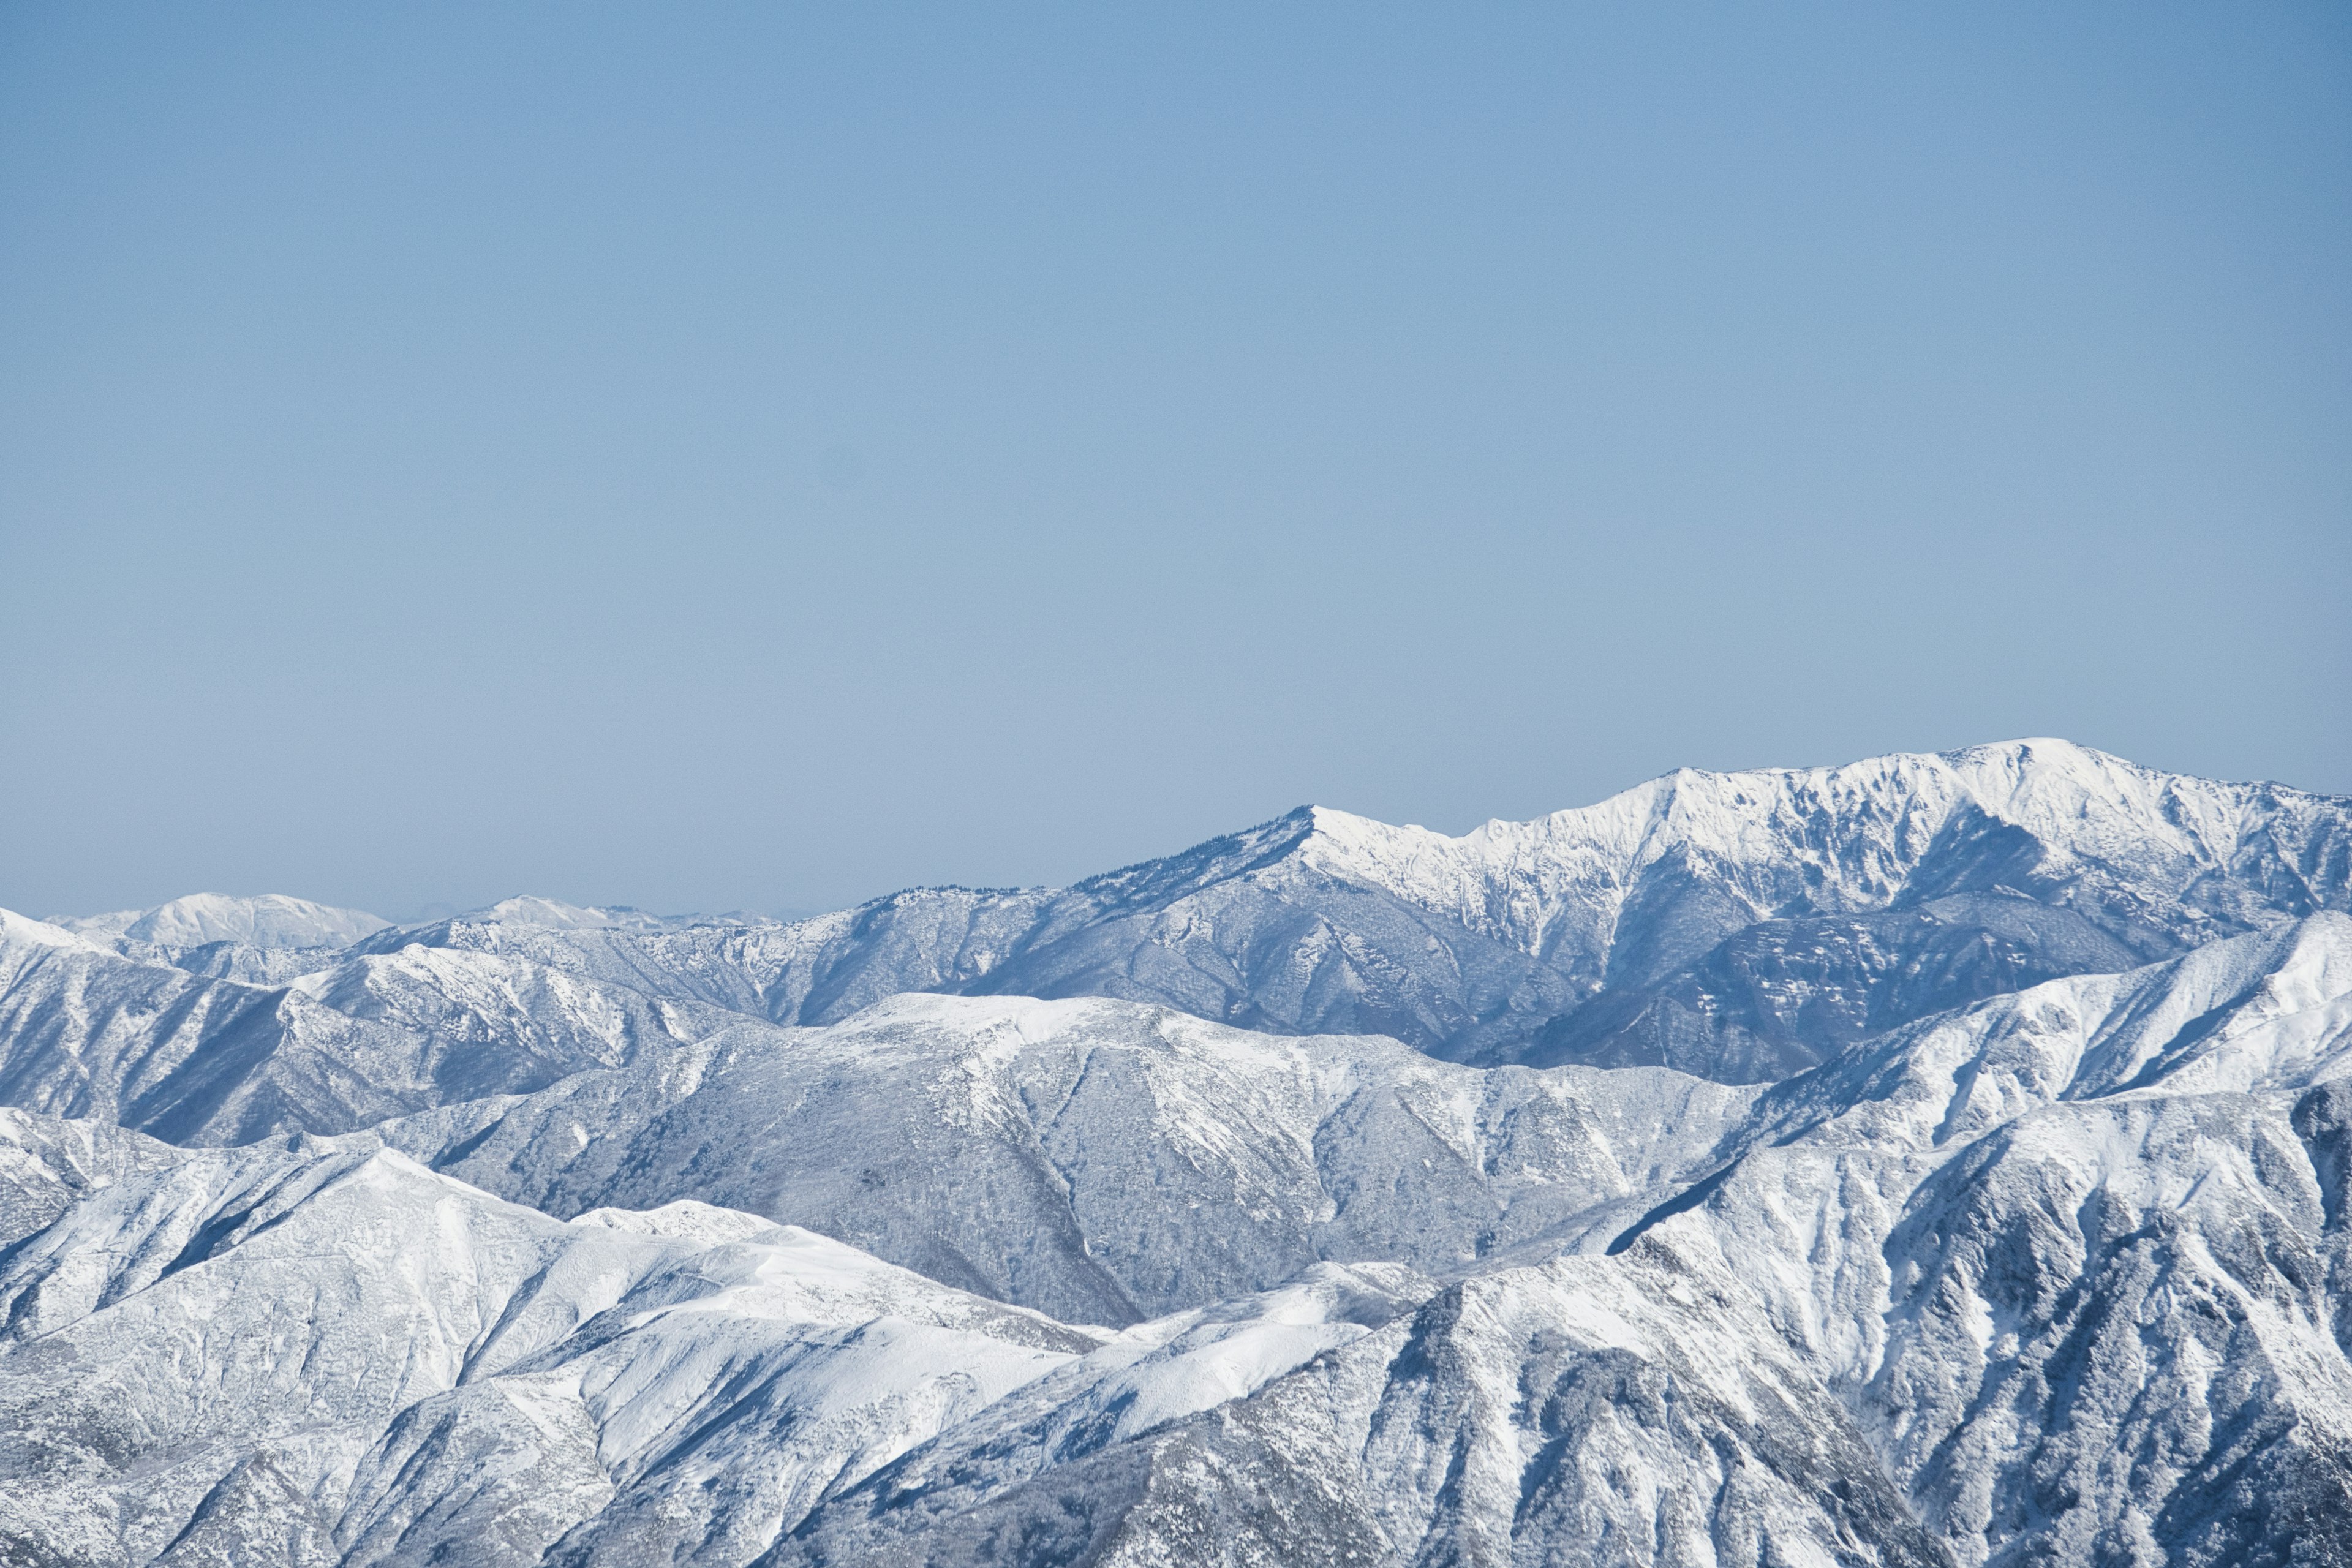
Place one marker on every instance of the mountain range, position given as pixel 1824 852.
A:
pixel 1935 1160
pixel 1738 926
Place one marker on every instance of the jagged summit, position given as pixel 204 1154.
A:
pixel 1728 923
pixel 1859 831
pixel 1742 925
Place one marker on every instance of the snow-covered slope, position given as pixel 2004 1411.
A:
pixel 2079 1258
pixel 267 1355
pixel 262 941
pixel 199 919
pixel 1740 926
pixel 2061 1278
pixel 262 1355
pixel 85 1031
pixel 2004 1220
pixel 1588 1410
pixel 2070 1265
pixel 1100 1161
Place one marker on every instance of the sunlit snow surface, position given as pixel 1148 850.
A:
pixel 1738 926
pixel 2001 1217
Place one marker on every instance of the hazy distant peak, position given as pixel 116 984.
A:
pixel 530 910
pixel 265 920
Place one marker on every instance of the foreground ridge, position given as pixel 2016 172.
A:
pixel 1779 1345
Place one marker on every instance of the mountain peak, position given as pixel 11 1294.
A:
pixel 264 920
pixel 530 910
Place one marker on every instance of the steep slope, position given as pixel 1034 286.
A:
pixel 1589 1410
pixel 1739 926
pixel 1104 1161
pixel 2079 1258
pixel 2060 1278
pixel 2071 1263
pixel 263 1354
pixel 1099 1161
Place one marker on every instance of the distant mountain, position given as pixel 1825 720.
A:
pixel 1742 926
pixel 1739 927
pixel 1105 1162
pixel 269 921
pixel 262 941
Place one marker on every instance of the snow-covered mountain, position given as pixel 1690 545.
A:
pixel 311 1359
pixel 263 941
pixel 201 920
pixel 87 1032
pixel 2057 1278
pixel 2078 1258
pixel 1101 1161
pixel 1739 926
pixel 1939 1160
pixel 266 1356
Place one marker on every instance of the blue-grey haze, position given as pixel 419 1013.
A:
pixel 747 455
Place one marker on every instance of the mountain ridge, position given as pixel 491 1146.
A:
pixel 2005 1219
pixel 1938 877
pixel 1941 1282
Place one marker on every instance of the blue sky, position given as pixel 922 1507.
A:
pixel 759 457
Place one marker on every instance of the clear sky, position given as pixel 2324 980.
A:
pixel 711 456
